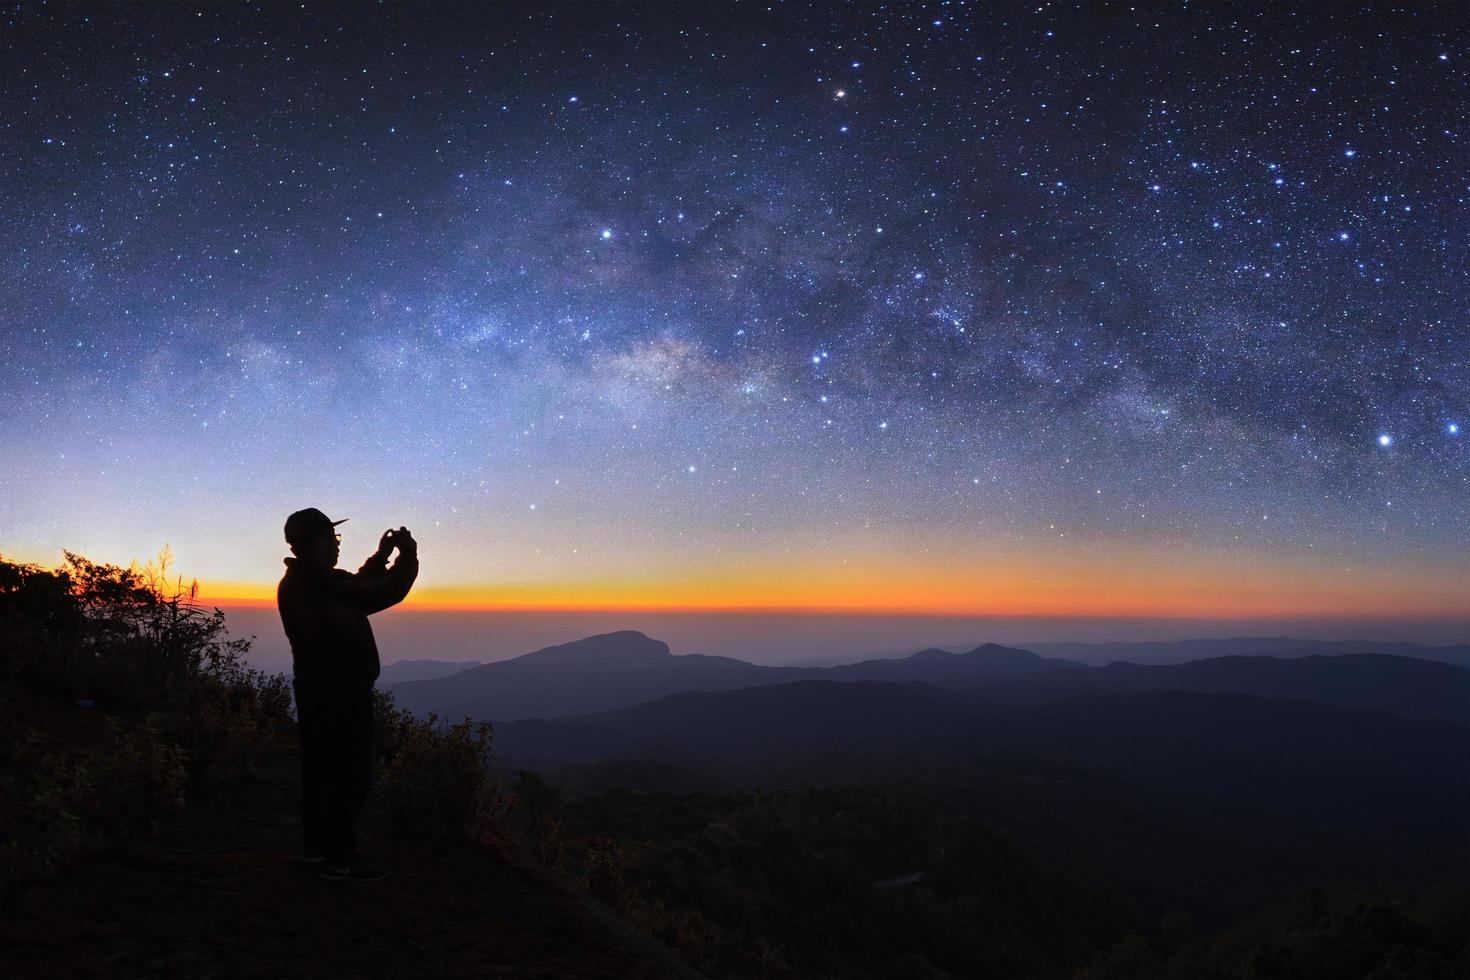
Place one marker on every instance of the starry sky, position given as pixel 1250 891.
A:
pixel 926 308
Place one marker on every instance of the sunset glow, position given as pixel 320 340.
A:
pixel 1220 590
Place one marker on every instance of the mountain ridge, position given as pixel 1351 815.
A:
pixel 611 670
pixel 1183 651
pixel 615 670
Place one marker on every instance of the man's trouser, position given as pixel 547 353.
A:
pixel 336 727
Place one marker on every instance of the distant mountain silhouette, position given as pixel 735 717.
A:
pixel 985 663
pixel 625 648
pixel 616 670
pixel 421 670
pixel 610 670
pixel 1403 685
pixel 1176 799
pixel 699 728
pixel 1367 771
pixel 1180 651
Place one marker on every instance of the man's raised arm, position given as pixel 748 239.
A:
pixel 376 586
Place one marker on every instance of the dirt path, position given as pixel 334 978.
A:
pixel 225 896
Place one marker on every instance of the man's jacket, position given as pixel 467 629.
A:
pixel 325 612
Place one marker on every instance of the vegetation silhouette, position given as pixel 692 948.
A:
pixel 121 693
pixel 812 883
pixel 120 688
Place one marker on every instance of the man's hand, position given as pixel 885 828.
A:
pixel 404 541
pixel 385 544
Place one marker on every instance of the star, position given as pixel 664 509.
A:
pixel 978 263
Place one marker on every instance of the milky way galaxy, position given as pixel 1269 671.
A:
pixel 919 306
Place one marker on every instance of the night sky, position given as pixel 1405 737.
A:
pixel 1014 309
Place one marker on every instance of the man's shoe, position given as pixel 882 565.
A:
pixel 359 869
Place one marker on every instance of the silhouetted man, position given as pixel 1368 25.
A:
pixel 334 660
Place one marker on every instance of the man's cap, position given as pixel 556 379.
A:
pixel 303 525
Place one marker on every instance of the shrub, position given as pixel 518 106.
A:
pixel 166 688
pixel 602 869
pixel 532 819
pixel 39 790
pixel 126 640
pixel 60 805
pixel 433 781
pixel 135 783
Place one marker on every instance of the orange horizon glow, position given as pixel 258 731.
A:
pixel 435 606
pixel 1066 596
pixel 1220 586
